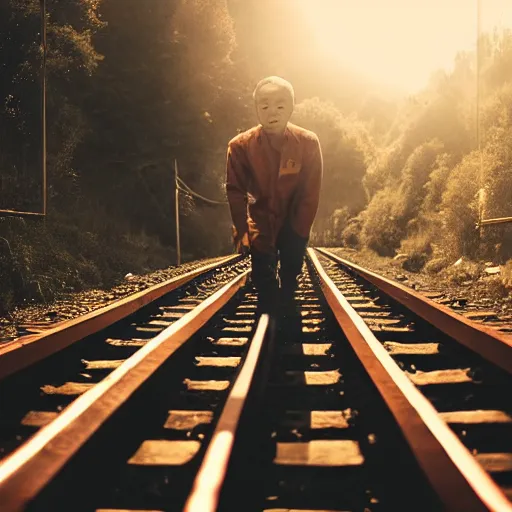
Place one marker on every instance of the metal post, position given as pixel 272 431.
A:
pixel 177 205
pixel 42 4
pixel 481 196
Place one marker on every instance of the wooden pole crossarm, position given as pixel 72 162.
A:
pixel 499 220
pixel 14 213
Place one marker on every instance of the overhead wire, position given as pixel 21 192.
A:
pixel 186 189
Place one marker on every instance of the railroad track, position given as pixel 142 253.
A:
pixel 463 368
pixel 41 374
pixel 223 410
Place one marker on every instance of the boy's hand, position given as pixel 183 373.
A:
pixel 243 246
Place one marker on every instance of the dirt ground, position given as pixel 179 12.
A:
pixel 466 286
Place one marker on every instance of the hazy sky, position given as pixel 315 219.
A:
pixel 400 42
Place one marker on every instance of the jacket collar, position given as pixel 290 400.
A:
pixel 287 133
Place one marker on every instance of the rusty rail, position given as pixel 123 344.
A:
pixel 25 473
pixel 22 352
pixel 460 482
pixel 211 475
pixel 485 341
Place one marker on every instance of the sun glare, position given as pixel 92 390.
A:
pixel 400 42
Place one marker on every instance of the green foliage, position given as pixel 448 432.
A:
pixel 174 95
pixel 381 232
pixel 392 211
pixel 507 275
pixel 497 124
pixel 37 261
pixel 418 249
pixel 344 149
pixel 384 169
pixel 496 175
pixel 350 236
pixel 69 49
pixel 415 175
pixel 134 85
pixel 459 208
pixel 205 29
pixel 429 185
pixel 71 57
pixel 440 117
pixel 496 59
pixel 131 86
pixel 435 185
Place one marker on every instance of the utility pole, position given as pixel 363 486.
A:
pixel 177 213
pixel 42 4
pixel 481 196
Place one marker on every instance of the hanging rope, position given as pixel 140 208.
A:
pixel 187 190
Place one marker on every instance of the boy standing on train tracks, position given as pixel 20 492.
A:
pixel 273 178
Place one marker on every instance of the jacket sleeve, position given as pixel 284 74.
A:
pixel 236 189
pixel 308 194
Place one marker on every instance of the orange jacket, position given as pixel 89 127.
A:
pixel 265 187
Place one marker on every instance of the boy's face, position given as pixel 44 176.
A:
pixel 274 107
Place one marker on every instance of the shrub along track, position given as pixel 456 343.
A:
pixel 313 414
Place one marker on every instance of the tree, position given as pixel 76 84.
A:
pixel 459 208
pixel 173 95
pixel 70 58
pixel 343 145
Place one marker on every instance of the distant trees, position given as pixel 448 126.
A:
pixel 428 185
pixel 131 86
pixel 71 57
pixel 20 105
pixel 135 84
pixel 459 209
pixel 343 143
pixel 166 90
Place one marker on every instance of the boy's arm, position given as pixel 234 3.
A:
pixel 308 195
pixel 236 189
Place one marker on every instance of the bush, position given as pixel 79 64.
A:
pixel 436 265
pixel 418 249
pixel 465 271
pixel 345 150
pixel 506 275
pixel 351 235
pixel 332 235
pixel 380 231
pixel 38 261
pixel 459 209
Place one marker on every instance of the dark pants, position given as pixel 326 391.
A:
pixel 289 254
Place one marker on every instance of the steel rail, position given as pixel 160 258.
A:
pixel 33 466
pixel 485 341
pixel 459 481
pixel 26 350
pixel 210 478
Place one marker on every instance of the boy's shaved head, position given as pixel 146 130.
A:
pixel 274 101
pixel 275 80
